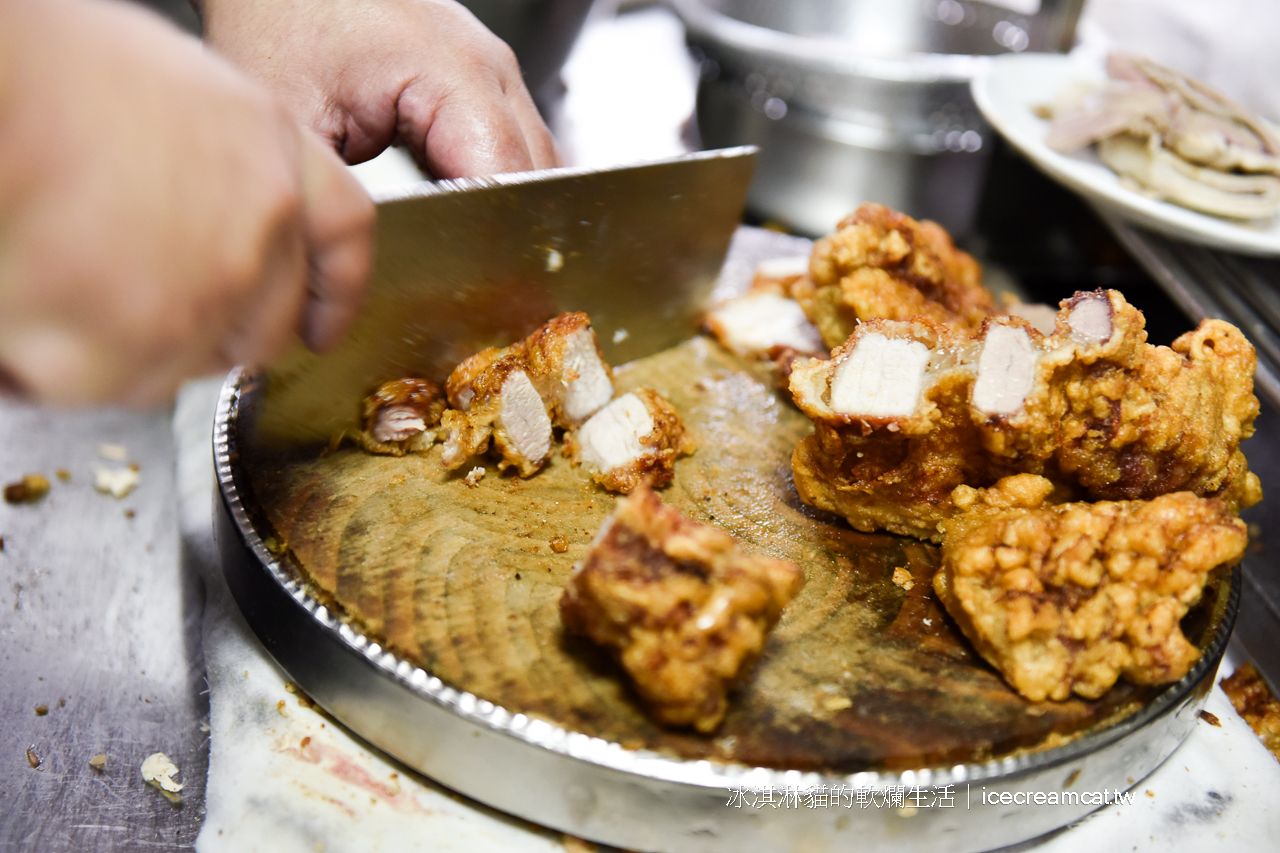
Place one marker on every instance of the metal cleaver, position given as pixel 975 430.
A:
pixel 470 263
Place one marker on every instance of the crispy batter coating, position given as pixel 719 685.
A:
pixel 400 416
pixel 881 263
pixel 684 610
pixel 514 395
pixel 1073 596
pixel 1253 701
pixel 1093 407
pixel 635 439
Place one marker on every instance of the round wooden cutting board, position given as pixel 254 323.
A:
pixel 465 581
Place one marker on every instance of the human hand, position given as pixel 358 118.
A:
pixel 161 215
pixel 369 73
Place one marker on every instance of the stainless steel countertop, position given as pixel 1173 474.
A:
pixel 99 622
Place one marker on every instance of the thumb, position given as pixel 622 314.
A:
pixel 338 222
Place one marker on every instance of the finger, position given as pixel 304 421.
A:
pixel 339 220
pixel 471 132
pixel 265 323
pixel 538 139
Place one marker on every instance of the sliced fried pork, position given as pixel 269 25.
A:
pixel 760 323
pixel 904 412
pixel 635 439
pixel 680 605
pixel 401 416
pixel 514 396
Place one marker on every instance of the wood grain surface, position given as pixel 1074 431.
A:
pixel 859 674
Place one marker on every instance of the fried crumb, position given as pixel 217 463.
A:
pixel 290 687
pixel 28 490
pixel 1 544
pixel 128 513
pixel 41 710
pixel 902 578
pixel 99 761
pixel 158 771
pixel 836 703
pixel 63 474
pixel 1211 719
pixel 574 844
pixel 32 758
pixel 474 476
pixel 280 709
pixel 559 544
pixel 117 482
pixel 1254 702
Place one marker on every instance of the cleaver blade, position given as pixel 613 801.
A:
pixel 477 262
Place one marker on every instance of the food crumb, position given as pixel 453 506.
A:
pixel 902 578
pixel 32 758
pixel 474 476
pixel 559 544
pixel 306 742
pixel 158 771
pixel 1 543
pixel 41 710
pixel 117 482
pixel 1211 719
pixel 113 452
pixel 128 513
pixel 1149 794
pixel 28 490
pixel 836 703
pixel 574 844
pixel 397 480
pixel 98 761
pixel 280 708
pixel 290 687
pixel 63 474
pixel 62 703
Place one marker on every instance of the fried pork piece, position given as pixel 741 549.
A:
pixel 881 263
pixel 760 323
pixel 906 411
pixel 681 606
pixel 514 396
pixel 400 417
pixel 635 439
pixel 1074 596
pixel 1253 701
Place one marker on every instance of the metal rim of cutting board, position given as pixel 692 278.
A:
pixel 639 799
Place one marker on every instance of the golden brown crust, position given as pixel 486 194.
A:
pixel 1253 701
pixel 881 263
pixel 475 389
pixel 1070 597
pixel 1108 419
pixel 664 444
pixel 681 606
pixel 383 411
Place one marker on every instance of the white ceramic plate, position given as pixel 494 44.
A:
pixel 1016 83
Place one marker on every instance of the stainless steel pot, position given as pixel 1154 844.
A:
pixel 862 100
pixel 540 32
